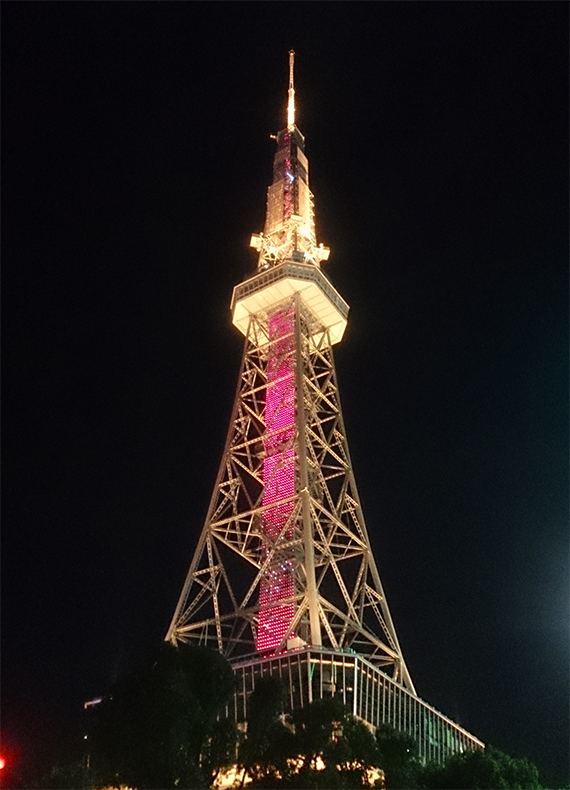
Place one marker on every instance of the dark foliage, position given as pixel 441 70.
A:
pixel 482 770
pixel 270 741
pixel 319 746
pixel 160 728
pixel 398 758
pixel 165 728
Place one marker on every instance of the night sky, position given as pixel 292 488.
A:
pixel 136 158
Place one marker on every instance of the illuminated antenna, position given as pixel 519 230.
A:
pixel 291 104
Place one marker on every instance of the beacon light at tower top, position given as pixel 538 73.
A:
pixel 291 95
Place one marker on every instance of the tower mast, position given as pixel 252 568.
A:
pixel 291 94
pixel 285 507
pixel 283 580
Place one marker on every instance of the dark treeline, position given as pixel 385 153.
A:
pixel 167 728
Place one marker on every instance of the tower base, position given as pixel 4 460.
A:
pixel 311 673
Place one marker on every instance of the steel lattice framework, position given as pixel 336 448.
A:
pixel 337 598
pixel 284 559
pixel 283 580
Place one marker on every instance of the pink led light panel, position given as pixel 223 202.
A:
pixel 278 480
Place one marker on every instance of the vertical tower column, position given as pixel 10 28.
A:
pixel 285 478
pixel 277 585
pixel 308 537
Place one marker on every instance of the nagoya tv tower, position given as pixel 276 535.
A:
pixel 283 580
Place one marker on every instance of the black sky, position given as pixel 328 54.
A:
pixel 136 157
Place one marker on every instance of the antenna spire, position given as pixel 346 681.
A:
pixel 291 94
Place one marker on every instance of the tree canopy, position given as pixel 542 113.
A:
pixel 490 769
pixel 166 728
pixel 320 745
pixel 162 728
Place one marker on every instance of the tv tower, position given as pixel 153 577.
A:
pixel 283 579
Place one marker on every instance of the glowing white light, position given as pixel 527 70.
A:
pixel 291 104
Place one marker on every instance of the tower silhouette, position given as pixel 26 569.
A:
pixel 283 580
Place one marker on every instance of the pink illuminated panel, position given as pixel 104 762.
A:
pixel 278 481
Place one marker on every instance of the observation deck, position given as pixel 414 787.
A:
pixel 269 288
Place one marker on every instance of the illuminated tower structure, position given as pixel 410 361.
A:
pixel 283 580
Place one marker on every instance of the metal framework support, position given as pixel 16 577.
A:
pixel 283 580
pixel 338 600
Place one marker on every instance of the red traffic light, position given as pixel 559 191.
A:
pixel 2 763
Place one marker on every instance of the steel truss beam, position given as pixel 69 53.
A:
pixel 338 601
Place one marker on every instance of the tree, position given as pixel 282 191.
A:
pixel 318 746
pixel 334 749
pixel 354 753
pixel 65 774
pixel 160 728
pixel 482 770
pixel 219 751
pixel 317 727
pixel 269 746
pixel 399 758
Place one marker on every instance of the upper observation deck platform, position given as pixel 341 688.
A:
pixel 269 288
